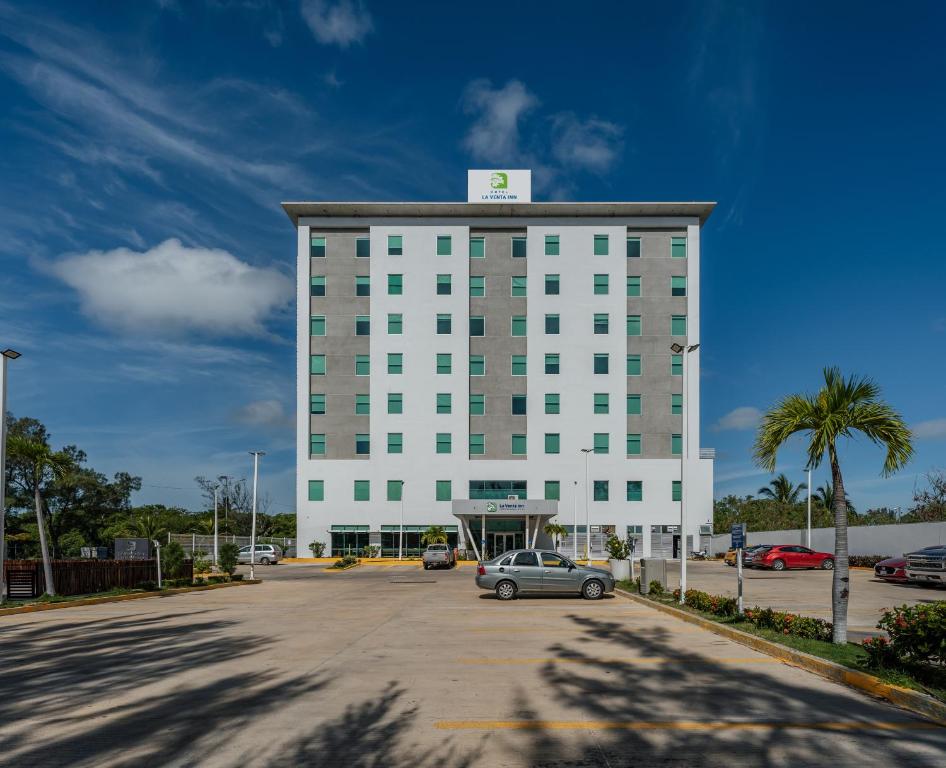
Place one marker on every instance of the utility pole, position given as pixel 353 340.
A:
pixel 255 455
pixel 7 354
pixel 684 351
pixel 587 451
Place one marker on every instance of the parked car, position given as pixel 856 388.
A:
pixel 785 556
pixel 927 565
pixel 533 570
pixel 266 554
pixel 730 558
pixel 894 569
pixel 438 555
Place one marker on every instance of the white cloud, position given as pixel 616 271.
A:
pixel 341 23
pixel 591 145
pixel 264 413
pixel 494 135
pixel 930 430
pixel 173 289
pixel 739 419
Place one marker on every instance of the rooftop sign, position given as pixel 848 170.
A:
pixel 499 186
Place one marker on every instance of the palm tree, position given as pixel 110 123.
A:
pixel 148 523
pixel 556 531
pixel 825 496
pixel 782 489
pixel 435 534
pixel 840 407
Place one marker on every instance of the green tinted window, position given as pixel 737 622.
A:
pixel 444 245
pixel 676 405
pixel 317 445
pixel 552 364
pixel 635 490
pixel 678 247
pixel 633 365
pixel 518 445
pixel 676 490
pixel 633 445
pixel 317 365
pixel 318 285
pixel 518 405
pixel 362 325
pixel 395 442
pixel 477 444
pixel 518 247
pixel 552 442
pixel 316 490
pixel 602 442
pixel 362 248
pixel 317 325
pixel 676 444
pixel 444 324
pixel 317 247
pixel 477 365
pixel 444 285
pixel 395 285
pixel 552 285
pixel 601 284
pixel 477 248
pixel 676 365
pixel 601 402
pixel 362 405
pixel 518 285
pixel 477 405
pixel 395 323
pixel 634 405
pixel 395 402
pixel 444 442
pixel 518 365
pixel 477 325
pixel 600 492
pixel 601 245
pixel 444 490
pixel 633 286
pixel 633 325
pixel 395 363
pixel 362 445
pixel 444 362
pixel 552 403
pixel 395 489
pixel 552 324
pixel 553 490
pixel 551 245
pixel 601 362
pixel 395 245
pixel 518 325
pixel 444 402
pixel 633 247
pixel 362 285
pixel 678 325
pixel 362 490
pixel 600 323
pixel 678 286
pixel 477 285
pixel 317 404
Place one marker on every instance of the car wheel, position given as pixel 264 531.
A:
pixel 505 590
pixel 264 561
pixel 778 565
pixel 426 567
pixel 827 564
pixel 592 590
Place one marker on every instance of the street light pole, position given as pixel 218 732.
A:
pixel 400 536
pixel 575 532
pixel 216 488
pixel 586 451
pixel 808 529
pixel 255 455
pixel 683 350
pixel 7 354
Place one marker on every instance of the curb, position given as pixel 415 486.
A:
pixel 914 701
pixel 37 607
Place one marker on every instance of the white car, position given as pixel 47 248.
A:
pixel 266 554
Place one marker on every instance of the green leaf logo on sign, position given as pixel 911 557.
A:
pixel 499 180
pixel 491 506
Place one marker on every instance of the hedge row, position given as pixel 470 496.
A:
pixel 865 561
pixel 917 636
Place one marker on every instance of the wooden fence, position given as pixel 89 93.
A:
pixel 25 578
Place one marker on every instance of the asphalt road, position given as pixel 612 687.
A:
pixel 397 667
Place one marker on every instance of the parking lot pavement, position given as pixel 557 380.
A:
pixel 806 592
pixel 397 667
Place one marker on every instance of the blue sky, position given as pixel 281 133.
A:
pixel 147 268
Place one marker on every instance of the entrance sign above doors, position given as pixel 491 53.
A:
pixel 499 186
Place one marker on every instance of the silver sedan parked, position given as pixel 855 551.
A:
pixel 533 570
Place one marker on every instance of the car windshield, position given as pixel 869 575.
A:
pixel 440 547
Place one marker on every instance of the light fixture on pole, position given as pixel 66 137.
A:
pixel 683 350
pixel 7 354
pixel 586 451
pixel 400 536
pixel 808 529
pixel 255 455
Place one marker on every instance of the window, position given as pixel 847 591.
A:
pixel 601 285
pixel 676 365
pixel 518 365
pixel 395 442
pixel 633 325
pixel 633 286
pixel 477 285
pixel 676 405
pixel 444 245
pixel 395 489
pixel 318 285
pixel 362 445
pixel 395 363
pixel 600 490
pixel 553 403
pixel 316 490
pixel 526 559
pixel 444 324
pixel 602 442
pixel 601 323
pixel 518 325
pixel 676 490
pixel 633 247
pixel 553 490
pixel 317 247
pixel 678 247
pixel 551 245
pixel 601 245
pixel 518 445
pixel 395 285
pixel 635 490
pixel 676 444
pixel 601 362
pixel 395 323
pixel 518 406
pixel 601 402
pixel 633 445
pixel 317 404
pixel 362 248
pixel 362 490
pixel 477 248
pixel 553 442
pixel 633 405
pixel 444 362
pixel 518 285
pixel 552 285
pixel 678 325
pixel 444 402
pixel 395 245
pixel 444 490
pixel 317 325
pixel 362 405
pixel 633 365
pixel 362 325
pixel 552 325
pixel 477 405
pixel 444 442
pixel 477 365
pixel 317 445
pixel 477 325
pixel 444 285
pixel 518 247
pixel 678 286
pixel 395 402
pixel 317 365
pixel 362 285
pixel 477 444
pixel 552 365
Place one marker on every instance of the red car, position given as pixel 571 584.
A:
pixel 894 568
pixel 787 556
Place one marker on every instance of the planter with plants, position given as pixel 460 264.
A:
pixel 348 561
pixel 618 554
pixel 317 548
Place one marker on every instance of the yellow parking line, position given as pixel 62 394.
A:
pixel 681 725
pixel 619 660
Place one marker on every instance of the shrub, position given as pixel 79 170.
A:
pixel 718 605
pixel 318 548
pixel 369 550
pixel 345 562
pixel 790 623
pixel 236 577
pixel 865 561
pixel 656 588
pixel 917 633
pixel 617 548
pixel 199 581
pixel 148 586
pixel 879 652
pixel 201 563
pixel 172 559
pixel 228 555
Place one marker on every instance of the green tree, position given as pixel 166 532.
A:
pixel 824 496
pixel 840 408
pixel 228 557
pixel 782 489
pixel 557 531
pixel 435 534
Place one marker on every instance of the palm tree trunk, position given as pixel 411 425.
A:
pixel 840 587
pixel 43 548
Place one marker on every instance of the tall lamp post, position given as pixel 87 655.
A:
pixel 683 350
pixel 587 451
pixel 400 536
pixel 7 354
pixel 216 488
pixel 575 532
pixel 808 529
pixel 255 455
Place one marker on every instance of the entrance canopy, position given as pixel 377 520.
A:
pixel 482 515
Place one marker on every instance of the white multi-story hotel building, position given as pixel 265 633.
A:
pixel 455 358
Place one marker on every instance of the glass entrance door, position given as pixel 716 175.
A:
pixel 503 542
